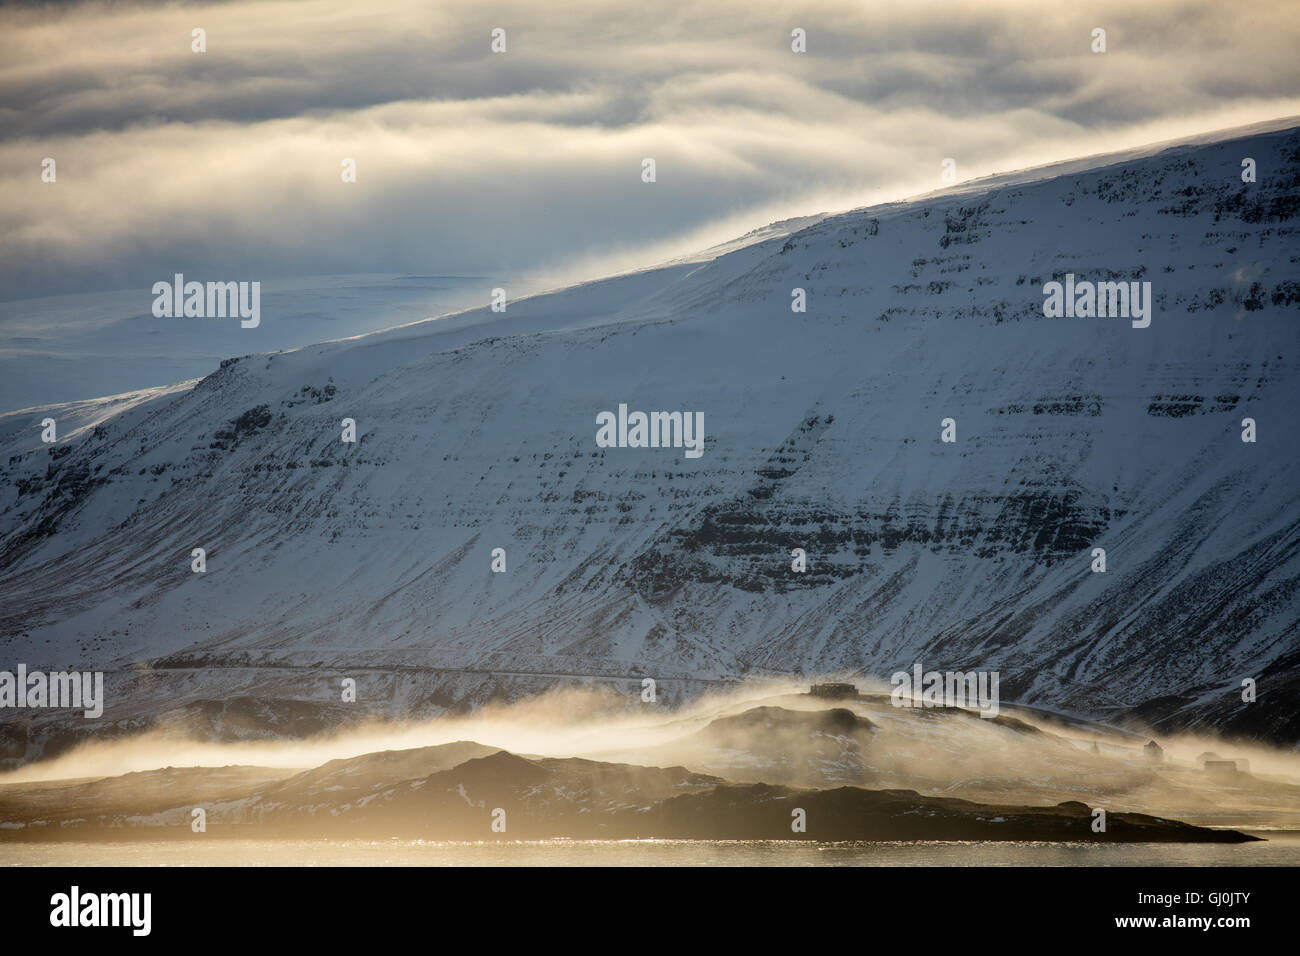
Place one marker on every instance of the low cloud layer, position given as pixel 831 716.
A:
pixel 226 164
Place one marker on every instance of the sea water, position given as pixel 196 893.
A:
pixel 1282 848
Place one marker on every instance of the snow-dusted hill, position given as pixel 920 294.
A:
pixel 822 432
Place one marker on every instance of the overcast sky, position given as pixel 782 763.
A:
pixel 226 164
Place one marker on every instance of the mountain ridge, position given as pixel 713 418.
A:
pixel 822 432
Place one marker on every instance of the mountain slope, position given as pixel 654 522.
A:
pixel 822 431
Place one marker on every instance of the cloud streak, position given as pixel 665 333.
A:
pixel 226 164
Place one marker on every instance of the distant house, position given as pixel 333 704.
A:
pixel 834 691
pixel 1154 751
pixel 1224 770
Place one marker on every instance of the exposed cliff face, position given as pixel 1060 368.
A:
pixel 822 432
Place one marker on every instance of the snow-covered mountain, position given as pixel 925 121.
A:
pixel 822 431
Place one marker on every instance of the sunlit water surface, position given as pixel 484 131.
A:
pixel 1282 849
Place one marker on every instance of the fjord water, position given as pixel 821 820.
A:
pixel 1282 848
